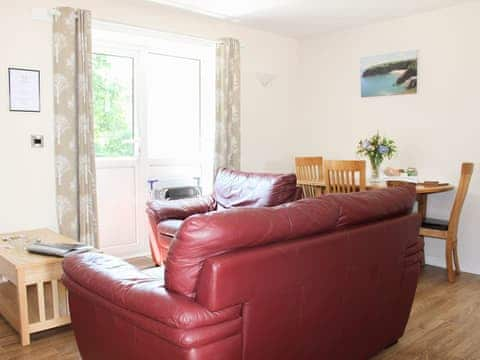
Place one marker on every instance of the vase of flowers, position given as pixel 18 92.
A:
pixel 377 148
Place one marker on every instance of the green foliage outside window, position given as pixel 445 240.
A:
pixel 112 107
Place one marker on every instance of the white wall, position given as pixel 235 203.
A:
pixel 27 188
pixel 435 130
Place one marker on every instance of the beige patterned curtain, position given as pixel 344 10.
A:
pixel 74 143
pixel 227 126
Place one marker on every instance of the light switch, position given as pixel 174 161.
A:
pixel 37 141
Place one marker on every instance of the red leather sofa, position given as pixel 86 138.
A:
pixel 232 189
pixel 328 278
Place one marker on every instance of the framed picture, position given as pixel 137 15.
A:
pixel 389 74
pixel 24 89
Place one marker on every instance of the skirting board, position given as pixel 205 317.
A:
pixel 440 262
pixel 435 261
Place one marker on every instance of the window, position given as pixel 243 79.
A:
pixel 113 105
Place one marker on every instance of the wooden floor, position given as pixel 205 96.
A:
pixel 445 320
pixel 444 325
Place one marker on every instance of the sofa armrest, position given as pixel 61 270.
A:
pixel 123 285
pixel 160 210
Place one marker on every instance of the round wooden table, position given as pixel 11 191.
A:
pixel 433 189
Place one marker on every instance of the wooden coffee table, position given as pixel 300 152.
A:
pixel 33 298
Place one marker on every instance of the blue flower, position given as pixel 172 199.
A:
pixel 382 149
pixel 366 144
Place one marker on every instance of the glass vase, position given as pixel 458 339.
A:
pixel 376 176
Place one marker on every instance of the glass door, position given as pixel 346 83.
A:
pixel 116 109
pixel 154 105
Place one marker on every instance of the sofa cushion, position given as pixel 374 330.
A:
pixel 169 227
pixel 204 236
pixel 241 189
pixel 369 206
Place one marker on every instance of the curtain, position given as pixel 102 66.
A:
pixel 227 125
pixel 74 135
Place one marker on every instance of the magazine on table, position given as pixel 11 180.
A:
pixel 60 250
pixel 404 178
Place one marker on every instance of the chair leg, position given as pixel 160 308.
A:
pixel 449 260
pixel 455 258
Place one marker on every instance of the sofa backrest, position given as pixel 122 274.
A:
pixel 369 206
pixel 243 189
pixel 206 236
pixel 340 295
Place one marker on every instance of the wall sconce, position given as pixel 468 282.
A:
pixel 265 79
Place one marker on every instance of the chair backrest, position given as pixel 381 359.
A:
pixel 344 176
pixel 465 177
pixel 309 169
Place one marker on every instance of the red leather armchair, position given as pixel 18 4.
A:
pixel 327 278
pixel 232 189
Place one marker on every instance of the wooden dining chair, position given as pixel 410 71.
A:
pixel 448 230
pixel 309 169
pixel 344 176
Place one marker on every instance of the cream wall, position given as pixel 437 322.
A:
pixel 435 130
pixel 27 192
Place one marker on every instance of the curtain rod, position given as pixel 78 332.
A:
pixel 106 23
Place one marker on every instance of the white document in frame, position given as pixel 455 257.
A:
pixel 24 90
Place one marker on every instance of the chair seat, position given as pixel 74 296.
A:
pixel 436 224
pixel 169 227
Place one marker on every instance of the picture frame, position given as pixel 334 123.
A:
pixel 24 90
pixel 389 74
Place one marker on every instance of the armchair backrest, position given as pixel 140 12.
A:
pixel 244 189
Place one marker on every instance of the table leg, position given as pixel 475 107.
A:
pixel 23 309
pixel 422 205
pixel 422 210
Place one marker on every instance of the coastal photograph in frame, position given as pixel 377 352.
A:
pixel 389 74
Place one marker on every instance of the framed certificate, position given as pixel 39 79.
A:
pixel 24 89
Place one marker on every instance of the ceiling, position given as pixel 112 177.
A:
pixel 300 18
